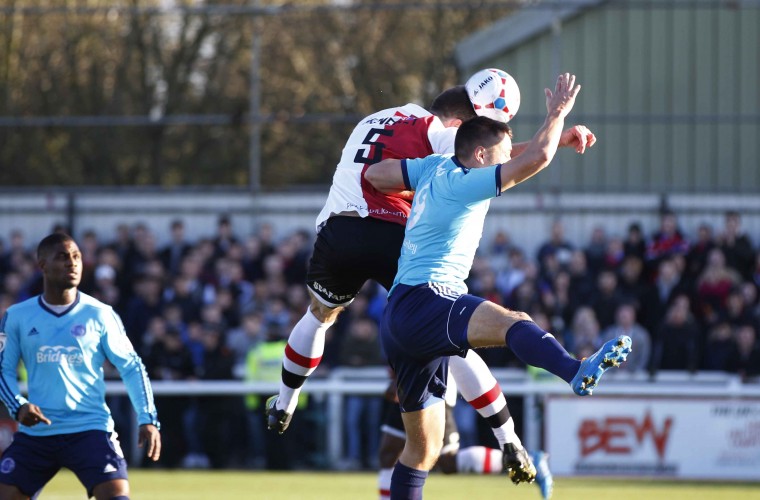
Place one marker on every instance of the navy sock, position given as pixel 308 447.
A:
pixel 407 483
pixel 537 348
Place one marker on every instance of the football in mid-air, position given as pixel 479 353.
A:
pixel 494 93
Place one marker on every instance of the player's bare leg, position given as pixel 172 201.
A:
pixel 424 439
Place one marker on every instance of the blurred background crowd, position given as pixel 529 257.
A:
pixel 221 308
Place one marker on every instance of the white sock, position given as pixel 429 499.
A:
pixel 506 434
pixel 479 460
pixel 479 388
pixel 384 483
pixel 306 344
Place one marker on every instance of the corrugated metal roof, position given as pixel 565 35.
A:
pixel 530 21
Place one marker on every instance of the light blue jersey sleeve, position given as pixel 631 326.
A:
pixel 420 168
pixel 10 354
pixel 478 184
pixel 122 355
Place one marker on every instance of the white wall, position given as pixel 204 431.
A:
pixel 525 217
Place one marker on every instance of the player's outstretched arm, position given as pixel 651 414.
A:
pixel 150 438
pixel 386 176
pixel 578 137
pixel 543 146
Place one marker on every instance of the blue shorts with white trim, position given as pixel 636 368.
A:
pixel 422 326
pixel 31 461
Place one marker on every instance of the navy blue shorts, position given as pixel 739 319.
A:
pixel 422 326
pixel 31 461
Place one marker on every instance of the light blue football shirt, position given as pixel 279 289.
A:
pixel 64 355
pixel 446 222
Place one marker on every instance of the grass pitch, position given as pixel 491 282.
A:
pixel 202 485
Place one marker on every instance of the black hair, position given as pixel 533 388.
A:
pixel 480 131
pixel 50 241
pixel 453 103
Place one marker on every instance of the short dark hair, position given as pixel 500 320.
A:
pixel 453 103
pixel 480 131
pixel 50 241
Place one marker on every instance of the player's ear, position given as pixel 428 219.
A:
pixel 480 155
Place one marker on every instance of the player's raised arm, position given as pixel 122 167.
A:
pixel 578 137
pixel 543 146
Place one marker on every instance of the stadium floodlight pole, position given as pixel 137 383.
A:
pixel 254 112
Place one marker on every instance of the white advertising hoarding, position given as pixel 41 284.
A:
pixel 681 438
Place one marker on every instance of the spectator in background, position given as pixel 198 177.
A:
pixel 253 259
pixel 584 332
pixel 146 304
pixel 485 286
pixel 167 358
pixel 713 286
pixel 90 248
pixel 668 241
pixel 744 357
pixel 361 348
pixel 177 249
pixel 719 344
pixel 625 324
pixel 498 254
pixel 241 340
pixel 606 299
pixel 696 258
pixel 737 246
pixel 631 280
pixel 557 246
pixel 677 339
pixel 582 283
pixel 596 250
pixel 634 243
pixel 667 284
pixel 516 272
pixel 558 303
pixel 737 312
pixel 614 254
pixel 219 416
pixel 225 236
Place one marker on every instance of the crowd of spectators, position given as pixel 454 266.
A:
pixel 221 307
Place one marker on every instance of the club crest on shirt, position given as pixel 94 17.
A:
pixel 7 465
pixel 78 331
pixel 3 338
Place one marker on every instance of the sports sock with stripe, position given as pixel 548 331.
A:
pixel 306 344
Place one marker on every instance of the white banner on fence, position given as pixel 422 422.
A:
pixel 684 438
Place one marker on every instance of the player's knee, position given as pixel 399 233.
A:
pixel 323 313
pixel 112 490
pixel 521 316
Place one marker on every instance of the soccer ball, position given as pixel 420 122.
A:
pixel 494 93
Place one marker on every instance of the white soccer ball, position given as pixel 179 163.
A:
pixel 494 93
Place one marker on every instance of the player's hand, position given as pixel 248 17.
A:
pixel 31 415
pixel 151 439
pixel 578 137
pixel 561 101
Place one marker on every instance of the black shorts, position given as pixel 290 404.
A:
pixel 394 426
pixel 348 252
